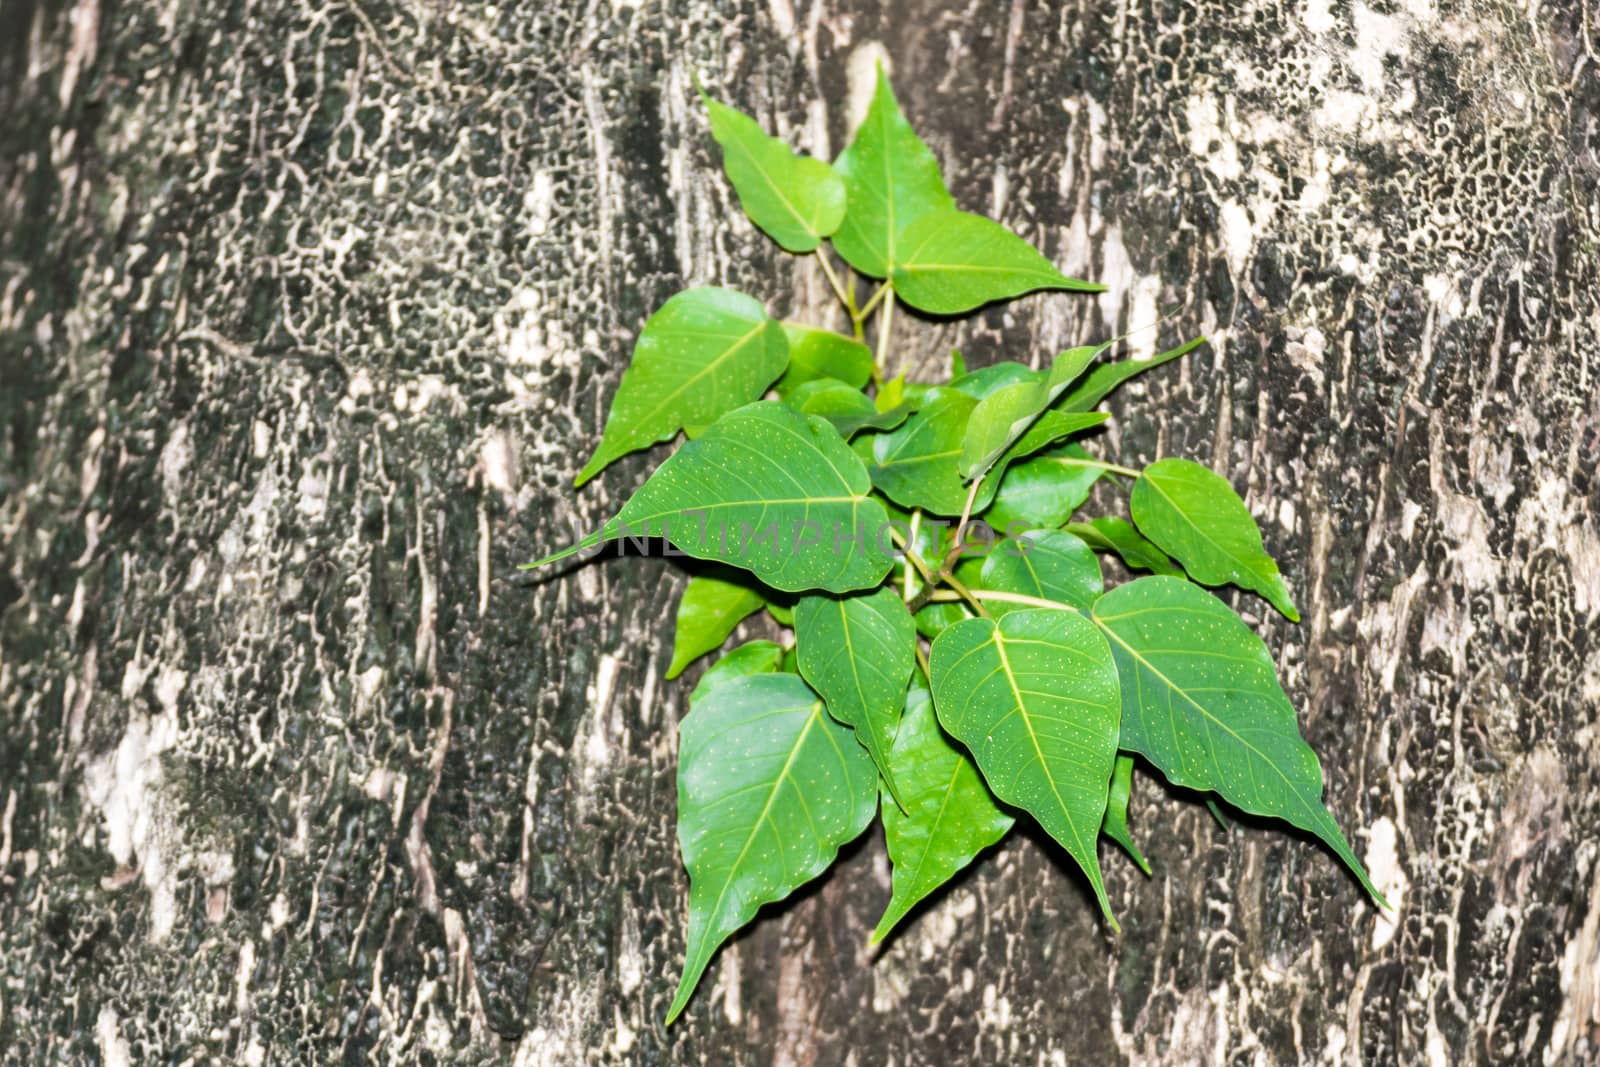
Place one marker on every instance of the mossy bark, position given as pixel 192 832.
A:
pixel 309 312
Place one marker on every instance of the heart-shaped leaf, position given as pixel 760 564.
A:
pixel 1046 564
pixel 707 613
pixel 1116 824
pixel 1042 492
pixel 1002 417
pixel 858 652
pixel 822 354
pixel 890 179
pixel 769 788
pixel 1194 514
pixel 1034 697
pixel 752 657
pixel 1108 534
pixel 796 200
pixel 953 261
pixel 1201 701
pixel 771 491
pixel 704 353
pixel 950 816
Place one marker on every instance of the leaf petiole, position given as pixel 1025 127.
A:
pixel 839 290
pixel 1072 461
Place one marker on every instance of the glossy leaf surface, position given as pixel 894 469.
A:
pixel 1194 515
pixel 953 261
pixel 1042 491
pixel 1002 417
pixel 1116 822
pixel 772 491
pixel 704 353
pixel 858 652
pixel 1202 702
pixel 849 410
pixel 822 354
pixel 769 788
pixel 1048 564
pixel 891 179
pixel 949 815
pixel 1034 697
pixel 1111 534
pixel 752 657
pixel 707 613
pixel 795 200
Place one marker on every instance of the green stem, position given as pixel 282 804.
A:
pixel 916 524
pixel 881 356
pixel 1068 461
pixel 838 287
pixel 883 291
pixel 928 576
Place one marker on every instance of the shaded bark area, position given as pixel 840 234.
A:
pixel 309 312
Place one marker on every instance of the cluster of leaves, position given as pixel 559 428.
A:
pixel 1037 686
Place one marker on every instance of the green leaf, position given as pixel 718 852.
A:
pixel 1109 534
pixel 822 354
pixel 918 465
pixel 1202 702
pixel 958 364
pixel 1103 379
pixel 707 613
pixel 772 491
pixel 752 657
pixel 796 200
pixel 849 410
pixel 704 353
pixel 769 787
pixel 1042 492
pixel 987 380
pixel 953 261
pixel 1034 697
pixel 858 652
pixel 1002 417
pixel 950 816
pixel 890 180
pixel 782 614
pixel 1194 514
pixel 1116 823
pixel 1047 564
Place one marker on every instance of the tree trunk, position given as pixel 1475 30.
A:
pixel 309 313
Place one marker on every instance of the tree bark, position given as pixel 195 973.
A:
pixel 309 312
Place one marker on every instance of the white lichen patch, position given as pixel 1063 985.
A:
pixel 1384 868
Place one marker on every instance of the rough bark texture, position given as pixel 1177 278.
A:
pixel 310 311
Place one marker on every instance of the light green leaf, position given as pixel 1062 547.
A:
pixel 1002 417
pixel 752 657
pixel 1116 823
pixel 704 353
pixel 950 816
pixel 1103 379
pixel 796 200
pixel 1034 697
pixel 707 613
pixel 1109 534
pixel 958 364
pixel 782 614
pixel 1047 564
pixel 987 380
pixel 858 652
pixel 821 354
pixel 769 787
pixel 1042 492
pixel 890 179
pixel 953 261
pixel 849 410
pixel 772 491
pixel 1194 514
pixel 1202 702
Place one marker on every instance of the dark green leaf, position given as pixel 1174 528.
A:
pixel 769 787
pixel 1202 702
pixel 891 180
pixel 949 817
pixel 1046 564
pixel 858 652
pixel 953 261
pixel 752 657
pixel 849 410
pixel 707 613
pixel 797 201
pixel 1103 379
pixel 820 354
pixel 1194 514
pixel 772 491
pixel 1118 535
pixel 1034 697
pixel 1042 492
pixel 706 352
pixel 1116 824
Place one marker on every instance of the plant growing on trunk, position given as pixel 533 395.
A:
pixel 935 670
